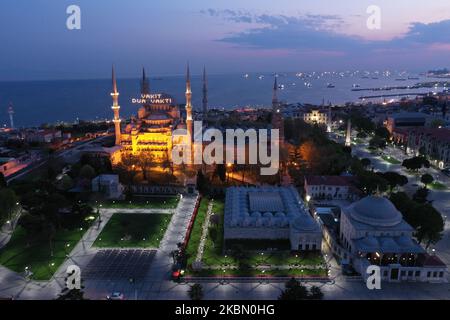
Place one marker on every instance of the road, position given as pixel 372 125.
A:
pixel 27 170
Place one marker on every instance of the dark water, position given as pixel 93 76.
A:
pixel 37 102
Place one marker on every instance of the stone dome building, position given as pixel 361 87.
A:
pixel 270 213
pixel 373 232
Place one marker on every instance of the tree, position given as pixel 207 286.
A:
pixel 424 218
pixel 315 293
pixel 377 143
pixel 166 163
pixel 371 182
pixel 383 133
pixel 8 200
pixel 294 290
pixel 32 226
pixel 361 135
pixel 220 172
pixel 65 183
pixel 422 151
pixel 145 161
pixel 427 179
pixel 127 171
pixel 361 122
pixel 421 195
pixel 3 182
pixel 87 172
pixel 74 294
pixel 431 225
pixel 365 162
pixel 196 292
pixel 202 183
pixel 49 231
pixel 394 179
pixel 416 163
pixel 437 123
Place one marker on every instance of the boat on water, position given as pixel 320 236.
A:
pixel 355 85
pixel 246 75
pixel 330 85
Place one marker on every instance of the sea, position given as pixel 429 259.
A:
pixel 39 102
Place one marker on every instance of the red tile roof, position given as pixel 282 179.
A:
pixel 432 261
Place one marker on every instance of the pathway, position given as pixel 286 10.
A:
pixel 205 227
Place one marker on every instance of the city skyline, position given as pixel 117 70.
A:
pixel 227 37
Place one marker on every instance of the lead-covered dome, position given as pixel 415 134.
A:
pixel 376 211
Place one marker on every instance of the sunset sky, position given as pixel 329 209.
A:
pixel 226 36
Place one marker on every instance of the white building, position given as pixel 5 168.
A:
pixel 109 185
pixel 331 188
pixel 270 213
pixel 373 232
pixel 316 116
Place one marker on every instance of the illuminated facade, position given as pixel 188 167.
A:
pixel 316 116
pixel 157 118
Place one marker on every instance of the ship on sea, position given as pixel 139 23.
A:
pixel 330 85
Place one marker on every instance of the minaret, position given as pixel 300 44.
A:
pixel 145 85
pixel 275 95
pixel 205 95
pixel 277 118
pixel 116 108
pixel 329 119
pixel 444 107
pixel 188 104
pixel 348 137
pixel 11 115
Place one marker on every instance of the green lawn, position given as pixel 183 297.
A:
pixel 129 230
pixel 17 254
pixel 390 159
pixel 151 202
pixel 436 185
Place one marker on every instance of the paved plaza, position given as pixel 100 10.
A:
pixel 112 264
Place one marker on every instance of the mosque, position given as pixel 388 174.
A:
pixel 374 233
pixel 152 131
pixel 157 118
pixel 270 213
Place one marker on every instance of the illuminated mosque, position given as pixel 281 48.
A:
pixel 156 119
pixel 152 130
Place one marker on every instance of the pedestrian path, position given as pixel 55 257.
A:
pixel 204 235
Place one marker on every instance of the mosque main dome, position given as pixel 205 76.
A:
pixel 376 211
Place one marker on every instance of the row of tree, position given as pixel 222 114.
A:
pixel 8 201
pixel 294 290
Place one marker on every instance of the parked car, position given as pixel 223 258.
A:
pixel 116 296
